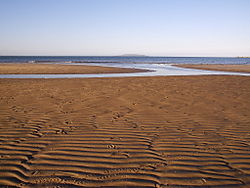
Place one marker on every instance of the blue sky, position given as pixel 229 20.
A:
pixel 115 27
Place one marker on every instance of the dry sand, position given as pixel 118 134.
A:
pixel 219 67
pixel 137 132
pixel 28 68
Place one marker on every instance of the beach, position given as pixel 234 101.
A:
pixel 176 131
pixel 218 67
pixel 50 68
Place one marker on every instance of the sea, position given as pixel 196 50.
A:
pixel 127 59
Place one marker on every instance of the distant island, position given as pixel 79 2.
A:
pixel 242 57
pixel 133 55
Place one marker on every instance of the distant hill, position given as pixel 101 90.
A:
pixel 133 55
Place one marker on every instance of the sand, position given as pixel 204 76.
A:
pixel 29 68
pixel 186 131
pixel 219 67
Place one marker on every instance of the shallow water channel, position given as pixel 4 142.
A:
pixel 152 70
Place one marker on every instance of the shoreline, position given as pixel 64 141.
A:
pixel 217 67
pixel 30 68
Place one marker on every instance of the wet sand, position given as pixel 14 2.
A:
pixel 219 67
pixel 184 131
pixel 28 68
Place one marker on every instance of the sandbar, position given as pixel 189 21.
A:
pixel 218 67
pixel 31 68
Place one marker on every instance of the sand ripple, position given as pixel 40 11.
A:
pixel 145 132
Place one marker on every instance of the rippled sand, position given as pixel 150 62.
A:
pixel 135 132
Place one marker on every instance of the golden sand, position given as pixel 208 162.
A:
pixel 141 132
pixel 219 67
pixel 28 68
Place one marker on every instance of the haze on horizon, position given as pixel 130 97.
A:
pixel 116 27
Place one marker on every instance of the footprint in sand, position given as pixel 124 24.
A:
pixel 111 146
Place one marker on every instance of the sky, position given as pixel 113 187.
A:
pixel 116 27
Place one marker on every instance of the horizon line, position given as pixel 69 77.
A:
pixel 117 56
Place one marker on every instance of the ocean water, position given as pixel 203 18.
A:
pixel 125 59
